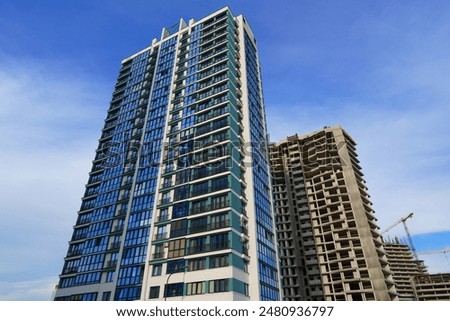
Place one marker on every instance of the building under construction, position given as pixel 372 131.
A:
pixel 404 268
pixel 330 244
pixel 432 287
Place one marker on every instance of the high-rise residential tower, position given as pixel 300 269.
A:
pixel 178 203
pixel 330 245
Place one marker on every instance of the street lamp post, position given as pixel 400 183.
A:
pixel 168 278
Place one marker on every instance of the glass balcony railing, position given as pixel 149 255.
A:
pixel 208 247
pixel 209 227
pixel 209 207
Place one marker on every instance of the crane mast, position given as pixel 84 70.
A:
pixel 410 240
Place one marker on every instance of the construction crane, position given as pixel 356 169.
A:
pixel 444 251
pixel 403 220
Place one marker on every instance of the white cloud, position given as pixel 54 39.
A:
pixel 50 117
pixel 437 262
pixel 403 155
pixel 397 113
pixel 30 290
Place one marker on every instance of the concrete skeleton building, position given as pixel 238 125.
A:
pixel 432 287
pixel 330 245
pixel 404 268
pixel 178 203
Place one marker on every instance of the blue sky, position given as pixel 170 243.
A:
pixel 381 69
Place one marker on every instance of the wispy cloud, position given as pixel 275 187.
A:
pixel 29 290
pixel 437 263
pixel 49 120
pixel 404 157
pixel 396 106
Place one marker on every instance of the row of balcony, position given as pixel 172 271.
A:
pixel 192 230
pixel 197 249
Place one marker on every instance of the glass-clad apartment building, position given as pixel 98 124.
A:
pixel 178 203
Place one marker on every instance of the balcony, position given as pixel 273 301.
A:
pixel 210 172
pixel 209 207
pixel 212 102
pixel 208 247
pixel 213 61
pixel 214 20
pixel 213 28
pixel 214 52
pixel 211 71
pixel 211 189
pixel 212 92
pixel 213 81
pixel 209 227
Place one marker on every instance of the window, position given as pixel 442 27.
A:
pixel 161 232
pixel 216 286
pixel 184 161
pixel 187 122
pixel 197 245
pixel 187 134
pixel 84 297
pixel 245 266
pixel 198 225
pixel 180 210
pixel 220 201
pixel 195 288
pixel 165 198
pixel 181 192
pixel 106 296
pixel 200 172
pixel 176 248
pixel 167 182
pixel 219 241
pixel 154 292
pixel 197 264
pixel 174 289
pixel 219 183
pixel 178 228
pixel 156 269
pixel 163 214
pixel 199 206
pixel 176 266
pixel 159 251
pixel 183 176
pixel 130 275
pixel 199 189
pixel 110 277
pixel 218 261
pixel 130 293
pixel 219 221
pixel 222 135
pixel 184 149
